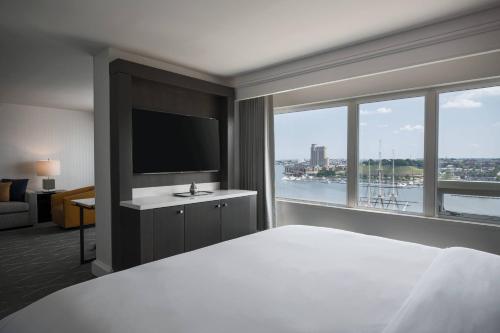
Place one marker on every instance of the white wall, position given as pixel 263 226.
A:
pixel 30 133
pixel 102 264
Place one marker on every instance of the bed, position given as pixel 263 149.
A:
pixel 288 279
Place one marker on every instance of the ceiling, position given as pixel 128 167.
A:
pixel 47 44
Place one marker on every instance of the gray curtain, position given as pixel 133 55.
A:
pixel 256 143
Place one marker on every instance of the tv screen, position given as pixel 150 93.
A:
pixel 166 142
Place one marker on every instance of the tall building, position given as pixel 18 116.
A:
pixel 319 157
pixel 313 160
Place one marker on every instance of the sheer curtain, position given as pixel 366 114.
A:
pixel 256 141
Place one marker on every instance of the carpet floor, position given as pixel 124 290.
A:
pixel 39 260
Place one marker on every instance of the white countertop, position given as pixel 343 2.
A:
pixel 161 201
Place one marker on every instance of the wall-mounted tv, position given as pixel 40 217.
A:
pixel 167 142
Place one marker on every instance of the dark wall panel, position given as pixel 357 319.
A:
pixel 151 95
pixel 138 86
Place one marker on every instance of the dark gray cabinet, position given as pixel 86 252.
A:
pixel 237 217
pixel 153 234
pixel 202 223
pixel 168 232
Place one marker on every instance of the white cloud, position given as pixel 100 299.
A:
pixel 382 125
pixel 363 124
pixel 384 110
pixel 474 145
pixel 497 124
pixel 381 110
pixel 461 103
pixel 470 98
pixel 410 128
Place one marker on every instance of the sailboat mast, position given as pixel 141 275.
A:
pixel 393 180
pixel 380 168
pixel 369 184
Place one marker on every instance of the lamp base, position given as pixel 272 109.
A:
pixel 49 184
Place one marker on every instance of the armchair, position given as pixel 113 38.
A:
pixel 65 214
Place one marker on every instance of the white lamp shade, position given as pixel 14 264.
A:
pixel 48 168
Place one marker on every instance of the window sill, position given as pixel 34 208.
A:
pixel 416 216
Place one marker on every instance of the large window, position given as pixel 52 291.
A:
pixel 391 150
pixel 386 148
pixel 311 153
pixel 469 154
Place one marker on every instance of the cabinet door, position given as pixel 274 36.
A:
pixel 238 217
pixel 168 235
pixel 202 224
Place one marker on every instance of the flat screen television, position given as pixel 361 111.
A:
pixel 167 143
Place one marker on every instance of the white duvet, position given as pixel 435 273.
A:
pixel 289 279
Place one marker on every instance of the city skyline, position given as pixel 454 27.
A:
pixel 469 128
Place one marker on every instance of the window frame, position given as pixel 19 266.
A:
pixel 315 107
pixel 431 141
pixel 387 98
pixel 459 87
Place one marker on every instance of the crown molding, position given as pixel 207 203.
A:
pixel 115 53
pixel 447 31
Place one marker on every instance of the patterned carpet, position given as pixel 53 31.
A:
pixel 38 261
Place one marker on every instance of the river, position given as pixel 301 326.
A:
pixel 336 193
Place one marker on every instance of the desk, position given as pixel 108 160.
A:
pixel 83 204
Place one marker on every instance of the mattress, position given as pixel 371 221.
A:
pixel 288 279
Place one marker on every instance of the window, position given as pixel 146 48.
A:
pixel 311 153
pixel 391 150
pixel 469 154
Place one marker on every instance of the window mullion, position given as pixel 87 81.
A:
pixel 430 152
pixel 352 153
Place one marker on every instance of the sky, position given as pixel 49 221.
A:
pixel 469 126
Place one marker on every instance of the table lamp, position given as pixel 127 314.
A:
pixel 48 168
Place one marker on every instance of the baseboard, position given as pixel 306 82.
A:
pixel 99 268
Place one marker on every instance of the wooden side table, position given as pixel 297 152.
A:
pixel 44 205
pixel 83 204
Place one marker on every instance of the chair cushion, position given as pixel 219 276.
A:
pixel 17 189
pixel 13 207
pixel 5 192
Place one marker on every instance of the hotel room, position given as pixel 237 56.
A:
pixel 250 166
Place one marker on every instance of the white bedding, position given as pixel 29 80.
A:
pixel 460 292
pixel 289 279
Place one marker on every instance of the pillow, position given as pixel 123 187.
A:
pixel 17 189
pixel 4 191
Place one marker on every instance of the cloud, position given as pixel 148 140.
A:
pixel 497 124
pixel 474 145
pixel 384 110
pixel 382 125
pixel 381 110
pixel 363 124
pixel 469 99
pixel 410 128
pixel 461 103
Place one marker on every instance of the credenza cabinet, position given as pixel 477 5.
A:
pixel 153 234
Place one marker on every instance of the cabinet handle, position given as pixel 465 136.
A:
pixel 224 204
pixel 180 212
pixel 217 206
